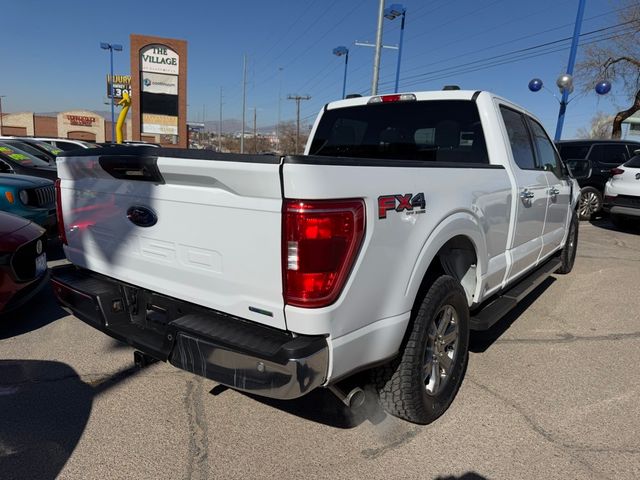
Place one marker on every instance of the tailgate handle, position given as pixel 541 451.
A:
pixel 132 167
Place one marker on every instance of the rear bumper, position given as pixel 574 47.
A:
pixel 235 352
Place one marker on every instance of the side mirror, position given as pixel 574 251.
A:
pixel 579 168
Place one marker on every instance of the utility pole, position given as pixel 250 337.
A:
pixel 279 102
pixel 202 135
pixel 255 138
pixel 220 124
pixel 376 58
pixel 244 99
pixel 298 99
pixel 1 97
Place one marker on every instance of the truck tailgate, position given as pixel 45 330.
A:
pixel 199 226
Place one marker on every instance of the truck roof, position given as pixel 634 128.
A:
pixel 425 95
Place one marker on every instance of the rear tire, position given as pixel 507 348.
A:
pixel 568 254
pixel 590 203
pixel 421 383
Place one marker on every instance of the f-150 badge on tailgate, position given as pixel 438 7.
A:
pixel 410 203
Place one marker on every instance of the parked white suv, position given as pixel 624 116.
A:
pixel 622 192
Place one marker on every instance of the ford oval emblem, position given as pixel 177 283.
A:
pixel 142 216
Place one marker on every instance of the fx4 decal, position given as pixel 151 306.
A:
pixel 408 202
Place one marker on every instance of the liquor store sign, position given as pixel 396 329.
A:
pixel 159 59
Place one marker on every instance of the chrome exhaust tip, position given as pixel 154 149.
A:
pixel 353 399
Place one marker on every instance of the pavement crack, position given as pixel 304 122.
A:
pixel 406 437
pixel 198 466
pixel 571 449
pixel 570 338
pixel 600 257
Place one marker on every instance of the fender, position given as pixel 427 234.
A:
pixel 462 223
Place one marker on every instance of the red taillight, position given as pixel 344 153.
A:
pixel 61 233
pixel 616 171
pixel 321 242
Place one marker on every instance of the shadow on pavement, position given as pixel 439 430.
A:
pixel 466 476
pixel 480 341
pixel 605 223
pixel 44 409
pixel 38 312
pixel 322 406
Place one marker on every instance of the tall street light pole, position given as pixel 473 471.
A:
pixel 340 51
pixel 118 48
pixel 392 12
pixel 572 60
pixel 376 57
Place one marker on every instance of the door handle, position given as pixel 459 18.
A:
pixel 554 191
pixel 526 194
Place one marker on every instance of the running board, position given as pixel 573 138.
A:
pixel 494 310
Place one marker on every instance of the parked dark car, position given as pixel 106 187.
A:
pixel 26 147
pixel 23 261
pixel 603 155
pixel 13 160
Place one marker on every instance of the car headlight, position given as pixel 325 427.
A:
pixel 24 197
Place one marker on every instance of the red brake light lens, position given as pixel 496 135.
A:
pixel 616 171
pixel 61 232
pixel 321 241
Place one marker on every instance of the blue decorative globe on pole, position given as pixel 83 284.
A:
pixel 535 85
pixel 603 87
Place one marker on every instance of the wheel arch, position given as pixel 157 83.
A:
pixel 457 247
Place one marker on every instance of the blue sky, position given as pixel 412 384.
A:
pixel 52 61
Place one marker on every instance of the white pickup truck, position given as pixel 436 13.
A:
pixel 410 220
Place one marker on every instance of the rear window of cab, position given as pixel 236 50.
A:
pixel 434 130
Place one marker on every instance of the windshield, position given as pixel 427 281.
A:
pixel 46 147
pixel 20 156
pixel 438 130
pixel 25 147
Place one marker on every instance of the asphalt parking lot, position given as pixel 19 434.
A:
pixel 551 392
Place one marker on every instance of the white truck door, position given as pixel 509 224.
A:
pixel 531 201
pixel 559 190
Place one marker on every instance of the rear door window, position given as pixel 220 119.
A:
pixel 547 156
pixel 634 162
pixel 573 151
pixel 437 130
pixel 519 138
pixel 609 154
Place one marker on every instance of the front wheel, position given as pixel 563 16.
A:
pixel 420 385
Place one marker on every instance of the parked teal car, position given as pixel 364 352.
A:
pixel 29 197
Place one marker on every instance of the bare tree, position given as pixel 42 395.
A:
pixel 617 59
pixel 287 134
pixel 600 127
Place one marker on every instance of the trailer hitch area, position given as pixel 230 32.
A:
pixel 142 360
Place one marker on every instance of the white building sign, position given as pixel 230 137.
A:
pixel 159 59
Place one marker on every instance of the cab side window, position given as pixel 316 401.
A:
pixel 519 138
pixel 547 157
